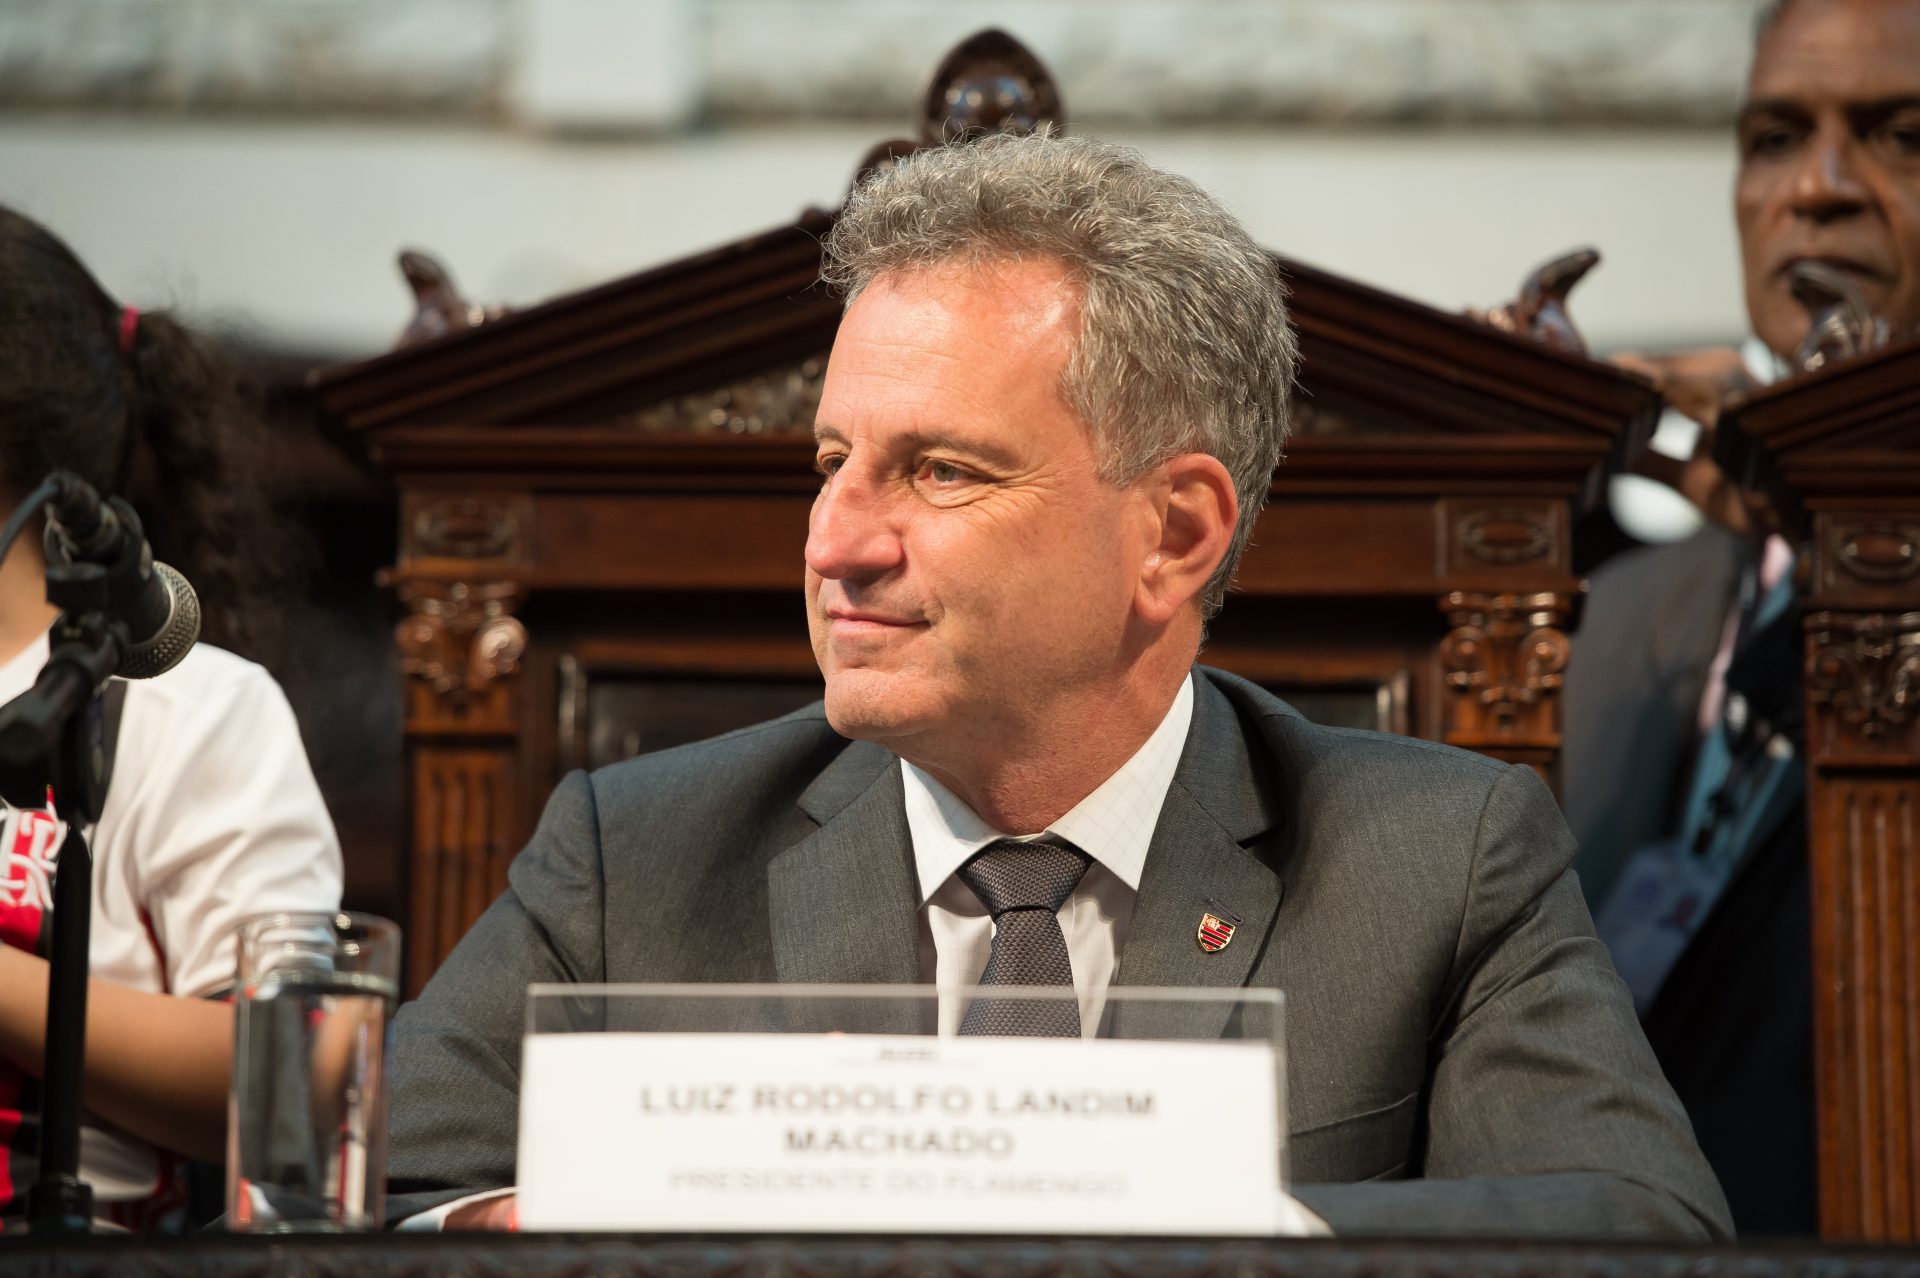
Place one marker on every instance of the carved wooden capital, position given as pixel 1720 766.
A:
pixel 460 640
pixel 1503 662
pixel 1865 671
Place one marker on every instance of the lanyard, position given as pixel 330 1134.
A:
pixel 1748 774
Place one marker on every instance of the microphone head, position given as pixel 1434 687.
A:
pixel 170 642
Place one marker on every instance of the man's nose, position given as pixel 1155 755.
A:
pixel 1826 183
pixel 851 533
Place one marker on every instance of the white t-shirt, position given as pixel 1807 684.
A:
pixel 212 815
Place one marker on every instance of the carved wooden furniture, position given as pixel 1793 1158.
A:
pixel 603 501
pixel 1839 452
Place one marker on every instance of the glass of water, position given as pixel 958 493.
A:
pixel 307 1117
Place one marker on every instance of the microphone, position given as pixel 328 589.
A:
pixel 152 600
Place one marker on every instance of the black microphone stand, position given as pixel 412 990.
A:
pixel 50 738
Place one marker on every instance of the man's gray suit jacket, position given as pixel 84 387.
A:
pixel 1456 1037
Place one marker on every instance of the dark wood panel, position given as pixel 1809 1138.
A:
pixel 1361 546
pixel 670 542
pixel 465 834
pixel 1866 879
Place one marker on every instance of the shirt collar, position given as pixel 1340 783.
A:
pixel 1113 825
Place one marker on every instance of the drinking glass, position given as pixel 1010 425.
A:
pixel 307 1116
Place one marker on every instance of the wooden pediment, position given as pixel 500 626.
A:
pixel 730 344
pixel 1846 434
pixel 599 357
pixel 726 349
pixel 1410 395
pixel 1433 453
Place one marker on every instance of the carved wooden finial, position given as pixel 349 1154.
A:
pixel 439 308
pixel 990 83
pixel 1540 311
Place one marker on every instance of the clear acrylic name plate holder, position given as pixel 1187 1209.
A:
pixel 857 1109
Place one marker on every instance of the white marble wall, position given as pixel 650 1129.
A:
pixel 253 55
pixel 646 65
pixel 260 162
pixel 1225 61
pixel 289 233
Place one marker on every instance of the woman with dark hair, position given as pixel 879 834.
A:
pixel 212 813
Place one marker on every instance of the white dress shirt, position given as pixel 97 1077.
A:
pixel 1113 825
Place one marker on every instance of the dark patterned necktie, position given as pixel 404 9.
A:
pixel 1023 886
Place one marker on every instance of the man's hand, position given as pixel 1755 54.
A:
pixel 1695 382
pixel 1698 383
pixel 501 1213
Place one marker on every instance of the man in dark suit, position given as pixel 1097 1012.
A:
pixel 1683 694
pixel 1051 414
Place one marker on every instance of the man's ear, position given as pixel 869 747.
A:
pixel 1196 509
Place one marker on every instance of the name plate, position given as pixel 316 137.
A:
pixel 673 1132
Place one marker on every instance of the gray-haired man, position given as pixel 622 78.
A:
pixel 1050 417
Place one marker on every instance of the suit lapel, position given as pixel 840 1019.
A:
pixel 1198 863
pixel 842 902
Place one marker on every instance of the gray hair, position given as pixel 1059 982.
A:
pixel 1184 344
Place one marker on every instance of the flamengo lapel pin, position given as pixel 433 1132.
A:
pixel 1215 931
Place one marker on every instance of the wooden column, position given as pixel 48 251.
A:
pixel 1838 453
pixel 460 647
pixel 1863 716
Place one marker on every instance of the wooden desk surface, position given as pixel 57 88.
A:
pixel 610 1256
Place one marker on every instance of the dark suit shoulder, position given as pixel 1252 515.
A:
pixel 803 730
pixel 714 798
pixel 1341 749
pixel 777 755
pixel 688 834
pixel 1369 803
pixel 1391 750
pixel 1402 807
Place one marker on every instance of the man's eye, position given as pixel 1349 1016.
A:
pixel 1901 134
pixel 944 472
pixel 829 464
pixel 1770 140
